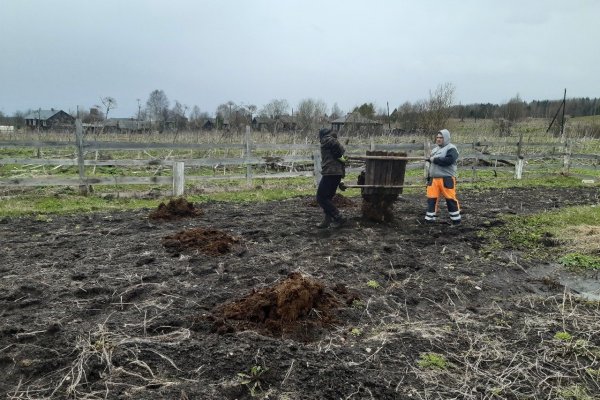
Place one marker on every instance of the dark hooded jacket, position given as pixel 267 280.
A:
pixel 331 151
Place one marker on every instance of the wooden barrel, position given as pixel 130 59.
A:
pixel 381 179
pixel 384 173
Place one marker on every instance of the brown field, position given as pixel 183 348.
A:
pixel 124 306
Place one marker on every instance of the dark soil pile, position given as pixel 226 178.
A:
pixel 294 307
pixel 175 209
pixel 339 200
pixel 207 241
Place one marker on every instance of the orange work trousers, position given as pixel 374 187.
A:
pixel 442 187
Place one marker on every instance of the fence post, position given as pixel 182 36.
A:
pixel 317 166
pixel 178 178
pixel 520 162
pixel 476 163
pixel 83 187
pixel 248 138
pixel 567 157
pixel 519 168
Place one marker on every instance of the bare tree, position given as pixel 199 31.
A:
pixel 311 114
pixel 275 108
pixel 197 118
pixel 252 110
pixel 158 107
pixel 178 115
pixel 514 109
pixel 336 111
pixel 109 103
pixel 438 108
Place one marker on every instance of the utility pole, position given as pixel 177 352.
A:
pixel 138 116
pixel 388 111
pixel 39 121
pixel 562 124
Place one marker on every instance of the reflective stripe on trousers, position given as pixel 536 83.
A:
pixel 442 187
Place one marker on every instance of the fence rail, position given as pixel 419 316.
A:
pixel 475 157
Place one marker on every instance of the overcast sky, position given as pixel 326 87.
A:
pixel 68 53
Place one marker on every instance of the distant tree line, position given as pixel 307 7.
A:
pixel 310 114
pixel 410 115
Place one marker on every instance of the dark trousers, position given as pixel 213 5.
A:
pixel 325 193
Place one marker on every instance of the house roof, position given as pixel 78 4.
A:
pixel 263 120
pixel 42 114
pixel 355 118
pixel 288 119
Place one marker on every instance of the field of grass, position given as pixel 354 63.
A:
pixel 18 201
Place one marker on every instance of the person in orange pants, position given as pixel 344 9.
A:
pixel 441 180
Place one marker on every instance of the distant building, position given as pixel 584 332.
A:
pixel 208 124
pixel 49 119
pixel 287 123
pixel 126 125
pixel 263 124
pixel 117 125
pixel 354 123
pixel 283 123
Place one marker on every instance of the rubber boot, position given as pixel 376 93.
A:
pixel 325 223
pixel 338 221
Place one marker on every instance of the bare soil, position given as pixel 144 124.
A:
pixel 125 306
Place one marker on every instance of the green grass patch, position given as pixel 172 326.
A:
pixel 563 336
pixel 530 231
pixel 40 202
pixel 569 236
pixel 432 361
pixel 580 261
pixel 68 204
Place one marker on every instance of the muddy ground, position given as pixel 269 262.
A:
pixel 105 306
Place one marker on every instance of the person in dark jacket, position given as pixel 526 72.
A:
pixel 441 178
pixel 332 172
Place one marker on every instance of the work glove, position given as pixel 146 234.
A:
pixel 343 159
pixel 342 186
pixel 428 159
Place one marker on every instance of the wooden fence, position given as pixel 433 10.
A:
pixel 508 160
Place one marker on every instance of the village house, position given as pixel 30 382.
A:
pixel 283 123
pixel 49 119
pixel 126 125
pixel 356 123
pixel 208 124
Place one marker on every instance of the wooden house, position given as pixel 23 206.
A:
pixel 208 124
pixel 126 125
pixel 356 123
pixel 49 119
pixel 263 124
pixel 283 123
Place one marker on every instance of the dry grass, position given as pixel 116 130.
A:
pixel 95 353
pixel 584 239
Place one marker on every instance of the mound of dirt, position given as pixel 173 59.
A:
pixel 294 306
pixel 207 241
pixel 338 200
pixel 175 209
